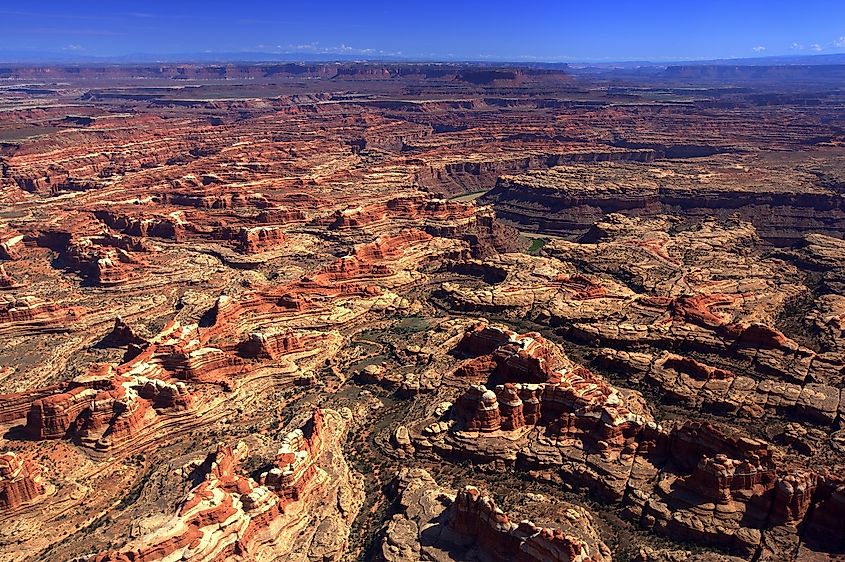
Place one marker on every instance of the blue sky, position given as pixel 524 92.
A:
pixel 585 30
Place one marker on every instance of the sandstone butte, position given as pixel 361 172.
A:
pixel 435 312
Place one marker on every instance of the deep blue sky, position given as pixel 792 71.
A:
pixel 435 29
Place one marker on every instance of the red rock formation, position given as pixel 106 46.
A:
pixel 718 478
pixel 51 417
pixel 477 369
pixel 349 268
pixel 296 460
pixel 477 518
pixel 390 247
pixel 518 357
pixel 211 200
pixel 478 408
pixel 576 408
pixel 532 402
pixel 408 208
pixel 274 346
pixel 16 405
pixel 281 215
pixel 103 409
pixel 224 311
pixel 697 309
pixel 223 464
pixel 584 287
pixel 203 364
pixel 20 481
pixel 163 395
pixel 122 335
pixel 357 217
pixel 576 403
pixel 826 523
pixel 10 244
pixel 692 441
pixel 107 260
pixel 109 271
pixel 219 517
pixel 223 515
pixel 793 497
pixel 6 281
pixel 441 209
pixel 365 262
pixel 253 240
pixel 695 368
pixel 527 360
pixel 759 336
pixel 511 407
pixel 482 339
pixel 37 312
pixel 171 226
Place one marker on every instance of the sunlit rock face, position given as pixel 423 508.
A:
pixel 21 481
pixel 389 311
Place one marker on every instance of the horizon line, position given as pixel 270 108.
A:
pixel 205 57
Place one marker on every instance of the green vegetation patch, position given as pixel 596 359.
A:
pixel 536 245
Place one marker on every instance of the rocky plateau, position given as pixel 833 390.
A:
pixel 400 312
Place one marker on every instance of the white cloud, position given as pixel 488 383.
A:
pixel 758 49
pixel 839 42
pixel 797 47
pixel 316 48
pixel 73 47
pixel 816 47
pixel 300 47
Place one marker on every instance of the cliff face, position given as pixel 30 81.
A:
pixel 572 426
pixel 196 254
pixel 456 178
pixel 234 71
pixel 231 516
pixel 476 518
pixel 437 523
pixel 742 74
pixel 21 481
pixel 570 199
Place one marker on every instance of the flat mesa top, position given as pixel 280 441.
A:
pixel 244 309
pixel 743 173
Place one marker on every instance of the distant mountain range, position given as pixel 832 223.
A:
pixel 783 60
pixel 75 57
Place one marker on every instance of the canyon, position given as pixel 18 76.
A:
pixel 399 312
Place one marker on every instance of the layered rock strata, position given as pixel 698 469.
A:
pixel 229 515
pixel 436 523
pixel 691 481
pixel 21 481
